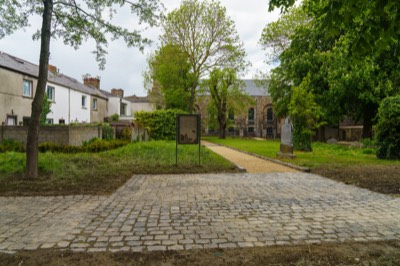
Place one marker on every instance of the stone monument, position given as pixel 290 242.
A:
pixel 286 150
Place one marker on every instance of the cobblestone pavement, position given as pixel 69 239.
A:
pixel 174 212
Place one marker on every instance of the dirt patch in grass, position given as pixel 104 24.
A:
pixel 372 253
pixel 379 178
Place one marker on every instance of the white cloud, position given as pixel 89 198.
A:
pixel 125 65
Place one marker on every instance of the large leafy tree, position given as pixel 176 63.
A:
pixel 207 35
pixel 74 22
pixel 226 95
pixel 343 81
pixel 169 69
pixel 374 24
pixel 276 36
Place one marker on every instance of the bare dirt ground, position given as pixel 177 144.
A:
pixel 380 178
pixel 372 253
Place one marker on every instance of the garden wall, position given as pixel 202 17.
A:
pixel 63 135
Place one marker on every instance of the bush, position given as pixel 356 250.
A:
pixel 11 145
pixel 160 124
pixel 93 145
pixel 126 133
pixel 387 130
pixel 108 132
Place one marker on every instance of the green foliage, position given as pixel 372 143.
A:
pixel 388 129
pixel 104 172
pixel 94 145
pixel 45 111
pixel 205 33
pixel 226 94
pixel 323 155
pixel 107 131
pixel 126 133
pixel 160 124
pixel 75 23
pixel 277 35
pixel 169 69
pixel 11 145
pixel 305 115
pixel 343 82
pixel 114 118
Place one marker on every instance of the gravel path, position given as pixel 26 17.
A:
pixel 252 164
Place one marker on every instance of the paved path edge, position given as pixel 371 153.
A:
pixel 303 169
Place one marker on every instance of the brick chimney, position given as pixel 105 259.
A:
pixel 118 92
pixel 53 69
pixel 92 82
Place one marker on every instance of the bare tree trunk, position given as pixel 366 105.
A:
pixel 32 152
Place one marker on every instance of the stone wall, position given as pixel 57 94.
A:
pixel 63 135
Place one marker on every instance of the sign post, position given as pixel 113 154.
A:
pixel 188 130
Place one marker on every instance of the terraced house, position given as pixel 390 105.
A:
pixel 72 101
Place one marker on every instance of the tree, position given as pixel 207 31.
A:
pixel 74 23
pixel 388 129
pixel 224 89
pixel 208 37
pixel 374 24
pixel 277 35
pixel 305 114
pixel 169 69
pixel 46 110
pixel 342 82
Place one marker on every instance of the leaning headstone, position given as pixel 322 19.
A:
pixel 332 141
pixel 286 148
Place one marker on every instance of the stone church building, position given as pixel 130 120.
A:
pixel 258 120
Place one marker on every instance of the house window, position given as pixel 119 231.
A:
pixel 250 130
pixel 26 120
pixel 49 121
pixel 51 96
pixel 251 114
pixel 94 104
pixel 11 120
pixel 61 121
pixel 123 109
pixel 83 101
pixel 27 88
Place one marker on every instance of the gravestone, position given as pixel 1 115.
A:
pixel 286 148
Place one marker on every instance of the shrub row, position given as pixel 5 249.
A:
pixel 94 145
pixel 160 124
pixel 11 145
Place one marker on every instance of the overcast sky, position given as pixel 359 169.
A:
pixel 124 65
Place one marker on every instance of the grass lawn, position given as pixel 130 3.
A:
pixel 353 165
pixel 102 173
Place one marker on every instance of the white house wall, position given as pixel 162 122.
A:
pixel 77 113
pixel 59 107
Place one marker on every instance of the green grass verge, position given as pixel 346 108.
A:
pixel 102 173
pixel 323 154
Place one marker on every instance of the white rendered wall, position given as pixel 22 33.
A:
pixel 77 113
pixel 59 108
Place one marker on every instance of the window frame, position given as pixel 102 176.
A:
pixel 53 94
pixel 84 101
pixel 94 104
pixel 123 109
pixel 30 82
pixel 15 119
